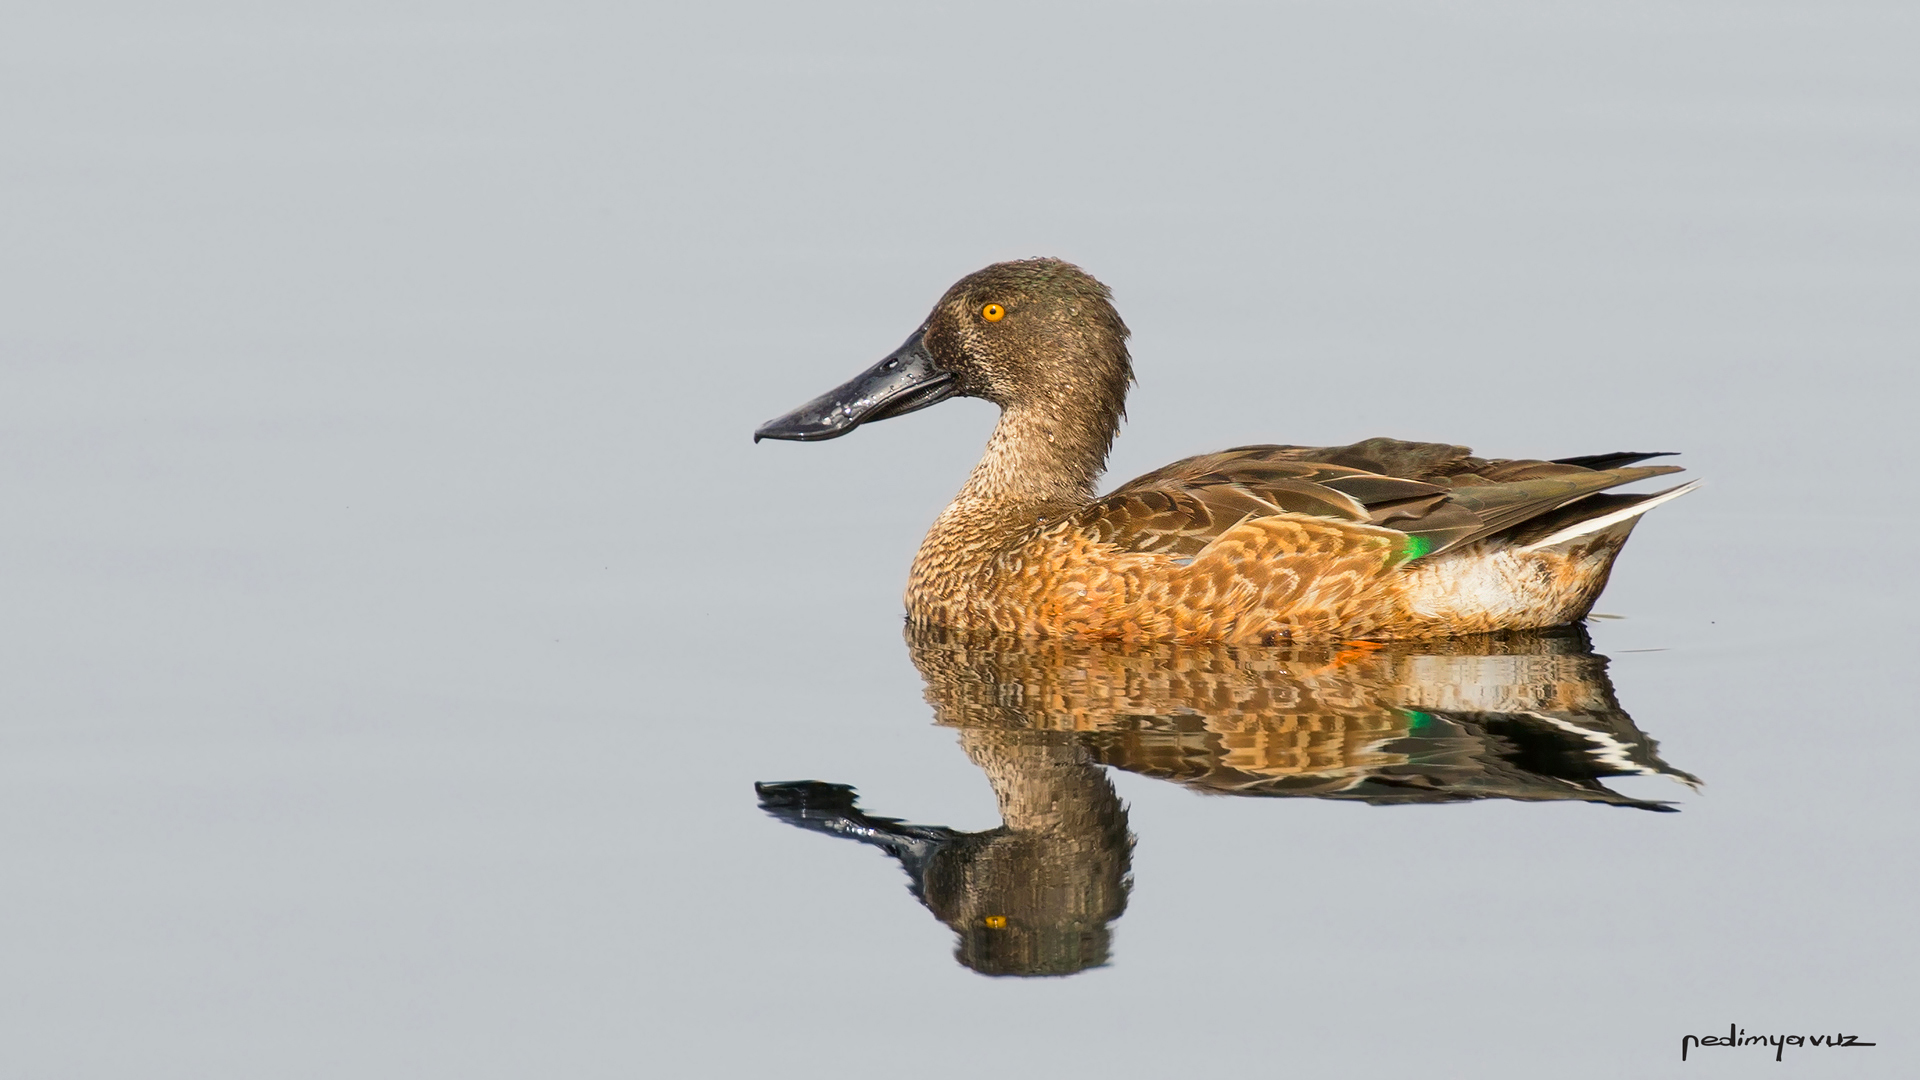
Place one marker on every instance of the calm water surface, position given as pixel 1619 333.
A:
pixel 397 618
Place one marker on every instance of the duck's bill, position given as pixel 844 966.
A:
pixel 907 380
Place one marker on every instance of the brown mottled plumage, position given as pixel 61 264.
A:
pixel 1381 539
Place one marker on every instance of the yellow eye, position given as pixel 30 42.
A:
pixel 993 313
pixel 995 922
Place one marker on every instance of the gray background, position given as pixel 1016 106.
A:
pixel 396 613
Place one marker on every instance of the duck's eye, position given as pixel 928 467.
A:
pixel 993 313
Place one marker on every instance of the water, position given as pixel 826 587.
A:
pixel 398 616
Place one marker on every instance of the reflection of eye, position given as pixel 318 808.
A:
pixel 993 313
pixel 995 922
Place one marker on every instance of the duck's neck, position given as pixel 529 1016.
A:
pixel 1039 466
pixel 1042 461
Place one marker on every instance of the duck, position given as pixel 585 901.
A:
pixel 1379 540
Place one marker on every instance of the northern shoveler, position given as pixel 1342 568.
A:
pixel 1381 539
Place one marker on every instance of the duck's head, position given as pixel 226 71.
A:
pixel 1036 333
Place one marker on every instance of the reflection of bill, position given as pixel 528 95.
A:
pixel 1739 1037
pixel 1528 717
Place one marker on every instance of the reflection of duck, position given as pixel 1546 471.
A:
pixel 1525 716
pixel 1381 539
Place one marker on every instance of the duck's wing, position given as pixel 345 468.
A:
pixel 1405 460
pixel 1438 494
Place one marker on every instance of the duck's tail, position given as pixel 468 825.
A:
pixel 1595 515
